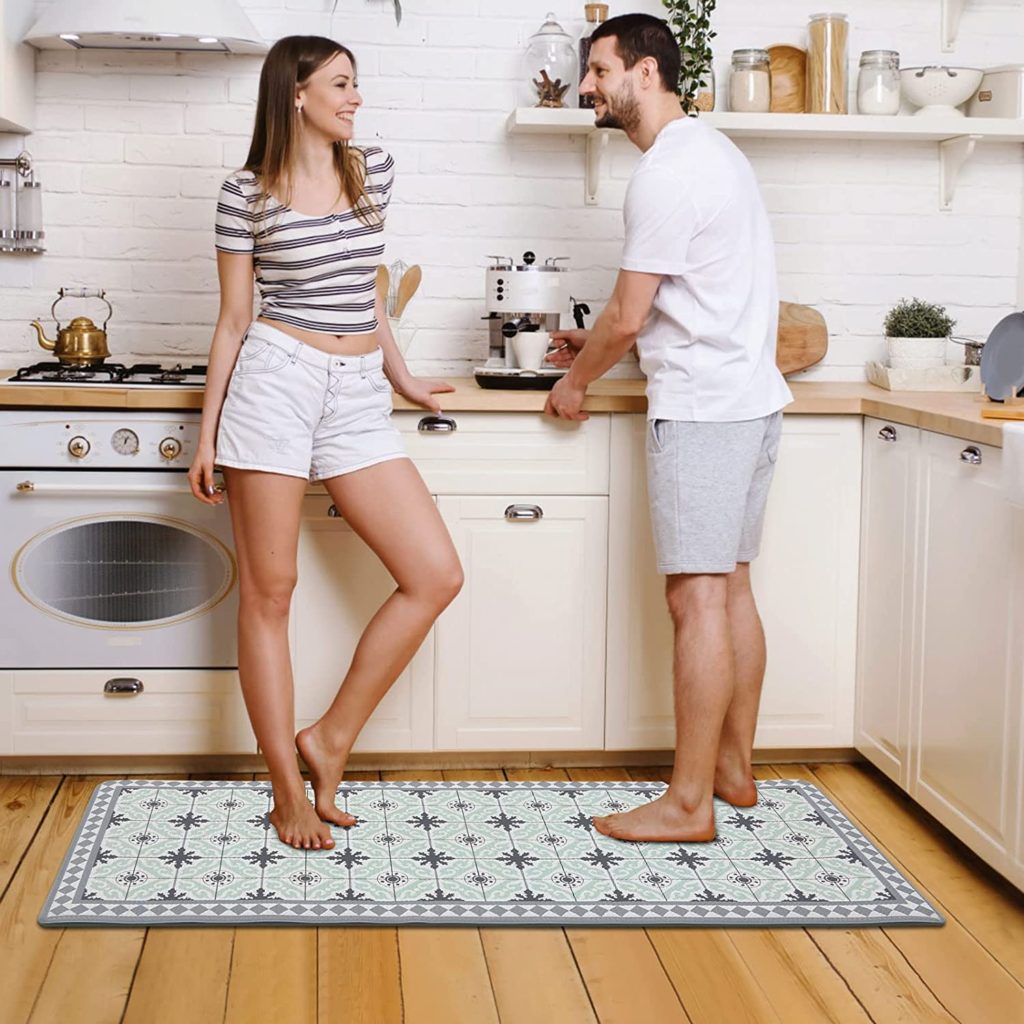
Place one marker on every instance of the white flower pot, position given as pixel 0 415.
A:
pixel 916 352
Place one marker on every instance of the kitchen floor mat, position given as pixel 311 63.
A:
pixel 470 853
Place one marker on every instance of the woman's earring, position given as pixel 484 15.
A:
pixel 298 108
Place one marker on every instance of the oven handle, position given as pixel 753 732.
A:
pixel 31 487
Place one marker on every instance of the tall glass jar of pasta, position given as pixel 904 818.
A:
pixel 826 63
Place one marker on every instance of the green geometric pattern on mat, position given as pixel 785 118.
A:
pixel 494 853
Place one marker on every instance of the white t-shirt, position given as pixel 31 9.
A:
pixel 693 213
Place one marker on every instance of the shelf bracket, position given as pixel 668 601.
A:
pixel 597 147
pixel 953 154
pixel 951 12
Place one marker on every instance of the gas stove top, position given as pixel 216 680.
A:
pixel 140 375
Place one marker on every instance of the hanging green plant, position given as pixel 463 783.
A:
pixel 690 21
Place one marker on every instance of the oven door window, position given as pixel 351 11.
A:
pixel 128 571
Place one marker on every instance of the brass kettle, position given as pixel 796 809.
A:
pixel 81 343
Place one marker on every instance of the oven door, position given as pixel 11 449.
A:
pixel 114 568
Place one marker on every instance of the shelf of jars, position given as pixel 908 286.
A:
pixel 957 137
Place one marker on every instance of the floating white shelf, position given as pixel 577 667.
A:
pixel 956 136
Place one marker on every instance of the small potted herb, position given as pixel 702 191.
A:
pixel 916 333
pixel 690 22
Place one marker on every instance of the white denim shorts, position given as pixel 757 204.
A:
pixel 293 409
pixel 708 487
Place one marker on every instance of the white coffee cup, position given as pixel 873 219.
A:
pixel 530 347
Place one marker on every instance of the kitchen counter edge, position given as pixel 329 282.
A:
pixel 953 413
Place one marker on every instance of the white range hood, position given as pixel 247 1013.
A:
pixel 218 26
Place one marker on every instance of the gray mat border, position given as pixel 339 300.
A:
pixel 61 909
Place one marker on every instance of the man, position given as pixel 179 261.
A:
pixel 697 295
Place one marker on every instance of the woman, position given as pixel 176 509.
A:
pixel 304 393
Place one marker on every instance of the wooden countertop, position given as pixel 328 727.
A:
pixel 944 412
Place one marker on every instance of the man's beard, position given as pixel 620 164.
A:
pixel 621 110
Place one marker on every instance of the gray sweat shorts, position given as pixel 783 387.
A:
pixel 708 486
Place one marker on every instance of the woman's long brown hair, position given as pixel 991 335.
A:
pixel 290 63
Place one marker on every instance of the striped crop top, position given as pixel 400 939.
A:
pixel 317 273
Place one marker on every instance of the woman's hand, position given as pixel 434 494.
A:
pixel 200 475
pixel 422 392
pixel 570 342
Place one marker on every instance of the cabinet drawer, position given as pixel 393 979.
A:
pixel 498 453
pixel 178 712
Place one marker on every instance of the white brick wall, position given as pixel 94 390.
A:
pixel 131 149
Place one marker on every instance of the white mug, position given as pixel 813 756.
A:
pixel 530 347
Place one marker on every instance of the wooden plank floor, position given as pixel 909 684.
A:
pixel 971 971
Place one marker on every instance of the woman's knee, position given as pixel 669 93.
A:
pixel 267 598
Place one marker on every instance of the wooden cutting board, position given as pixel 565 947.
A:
pixel 802 339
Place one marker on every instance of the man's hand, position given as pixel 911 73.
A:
pixel 566 400
pixel 569 342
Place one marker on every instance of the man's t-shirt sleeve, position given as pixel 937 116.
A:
pixel 660 220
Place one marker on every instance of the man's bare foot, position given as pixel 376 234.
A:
pixel 738 790
pixel 297 824
pixel 659 821
pixel 325 772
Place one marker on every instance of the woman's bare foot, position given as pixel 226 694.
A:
pixel 737 790
pixel 325 772
pixel 298 825
pixel 660 821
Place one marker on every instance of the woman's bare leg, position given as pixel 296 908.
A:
pixel 390 508
pixel 265 510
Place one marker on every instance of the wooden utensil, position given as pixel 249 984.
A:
pixel 383 282
pixel 407 288
pixel 802 340
pixel 788 65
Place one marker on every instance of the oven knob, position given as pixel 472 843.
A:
pixel 78 447
pixel 170 447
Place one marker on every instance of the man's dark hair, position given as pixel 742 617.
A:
pixel 642 35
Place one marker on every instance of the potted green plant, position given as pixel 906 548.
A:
pixel 690 21
pixel 916 333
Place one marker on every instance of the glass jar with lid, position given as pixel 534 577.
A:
pixel 827 36
pixel 550 66
pixel 878 83
pixel 750 82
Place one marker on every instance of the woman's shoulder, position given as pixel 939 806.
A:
pixel 379 162
pixel 242 183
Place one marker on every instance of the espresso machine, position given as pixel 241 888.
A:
pixel 523 297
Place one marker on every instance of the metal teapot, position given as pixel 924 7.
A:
pixel 81 343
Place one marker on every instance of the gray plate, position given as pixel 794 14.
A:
pixel 1002 359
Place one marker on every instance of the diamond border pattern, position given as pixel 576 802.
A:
pixel 64 906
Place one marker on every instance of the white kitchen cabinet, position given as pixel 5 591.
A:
pixel 966 711
pixel 17 68
pixel 341 585
pixel 521 650
pixel 805 582
pixel 887 567
pixel 68 713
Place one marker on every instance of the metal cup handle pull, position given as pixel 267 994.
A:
pixel 524 513
pixel 123 686
pixel 437 425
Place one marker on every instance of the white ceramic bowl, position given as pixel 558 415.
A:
pixel 939 90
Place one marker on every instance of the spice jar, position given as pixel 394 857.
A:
pixel 826 63
pixel 878 84
pixel 550 66
pixel 750 82
pixel 595 14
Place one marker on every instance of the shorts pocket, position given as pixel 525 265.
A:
pixel 378 380
pixel 260 357
pixel 657 435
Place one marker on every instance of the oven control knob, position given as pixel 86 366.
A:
pixel 78 447
pixel 170 447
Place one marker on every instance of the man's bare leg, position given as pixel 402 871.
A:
pixel 703 687
pixel 734 780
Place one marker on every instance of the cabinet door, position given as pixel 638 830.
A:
pixel 805 582
pixel 968 689
pixel 520 652
pixel 341 585
pixel 888 536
